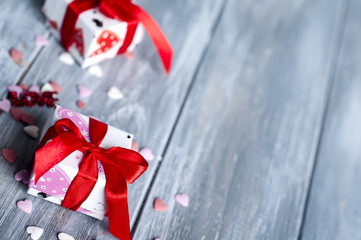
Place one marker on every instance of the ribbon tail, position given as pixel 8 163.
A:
pixel 83 183
pixel 117 203
pixel 164 48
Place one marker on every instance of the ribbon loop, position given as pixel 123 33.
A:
pixel 121 166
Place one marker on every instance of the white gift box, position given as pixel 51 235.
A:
pixel 97 37
pixel 53 185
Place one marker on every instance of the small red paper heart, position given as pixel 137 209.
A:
pixel 80 104
pixel 16 113
pixel 9 154
pixel 56 86
pixel 16 55
pixel 159 205
pixel 27 119
pixel 23 86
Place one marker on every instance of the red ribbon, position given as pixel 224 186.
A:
pixel 123 10
pixel 121 166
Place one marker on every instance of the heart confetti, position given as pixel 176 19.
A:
pixel 35 232
pixel 115 93
pixel 135 146
pixel 5 105
pixel 41 41
pixel 159 205
pixel 147 154
pixel 80 104
pixel 66 58
pixel 96 71
pixel 65 236
pixel 9 154
pixel 16 55
pixel 56 86
pixel 34 88
pixel 22 175
pixel 182 199
pixel 32 131
pixel 27 119
pixel 25 205
pixel 83 91
pixel 16 113
pixel 14 88
pixel 23 86
pixel 129 55
pixel 47 87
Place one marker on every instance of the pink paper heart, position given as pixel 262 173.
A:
pixel 34 88
pixel 16 55
pixel 14 88
pixel 27 119
pixel 5 105
pixel 41 41
pixel 159 205
pixel 23 175
pixel 182 199
pixel 56 86
pixel 83 91
pixel 135 146
pixel 9 154
pixel 147 153
pixel 129 55
pixel 16 113
pixel 25 205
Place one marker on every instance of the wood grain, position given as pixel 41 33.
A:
pixel 149 110
pixel 20 22
pixel 244 146
pixel 334 204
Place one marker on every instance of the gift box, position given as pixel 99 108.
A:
pixel 96 37
pixel 76 149
pixel 95 30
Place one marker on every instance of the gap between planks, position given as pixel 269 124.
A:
pixel 180 111
pixel 337 39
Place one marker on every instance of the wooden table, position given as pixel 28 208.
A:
pixel 259 121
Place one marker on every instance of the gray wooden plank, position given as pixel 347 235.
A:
pixel 20 21
pixel 244 146
pixel 333 210
pixel 149 110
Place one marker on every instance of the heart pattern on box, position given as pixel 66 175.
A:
pixel 107 40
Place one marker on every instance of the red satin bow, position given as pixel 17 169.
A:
pixel 123 10
pixel 121 166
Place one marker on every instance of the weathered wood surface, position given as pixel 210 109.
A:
pixel 244 146
pixel 334 204
pixel 20 21
pixel 149 110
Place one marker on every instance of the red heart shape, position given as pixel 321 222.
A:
pixel 16 113
pixel 9 154
pixel 159 205
pixel 27 119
